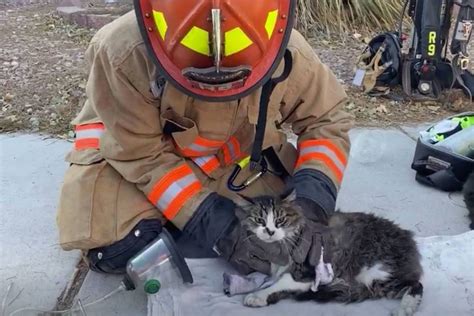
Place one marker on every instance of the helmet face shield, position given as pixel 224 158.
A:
pixel 216 50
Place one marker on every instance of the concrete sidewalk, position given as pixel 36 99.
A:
pixel 31 172
pixel 378 180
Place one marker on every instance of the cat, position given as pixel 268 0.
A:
pixel 468 192
pixel 371 257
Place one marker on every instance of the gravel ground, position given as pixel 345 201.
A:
pixel 42 76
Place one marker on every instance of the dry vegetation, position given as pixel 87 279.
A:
pixel 336 17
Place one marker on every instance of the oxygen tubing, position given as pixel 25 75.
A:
pixel 72 309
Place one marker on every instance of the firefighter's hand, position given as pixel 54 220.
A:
pixel 308 243
pixel 247 253
pixel 215 225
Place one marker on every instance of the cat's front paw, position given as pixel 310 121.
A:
pixel 253 300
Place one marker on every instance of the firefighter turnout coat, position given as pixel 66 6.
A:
pixel 141 154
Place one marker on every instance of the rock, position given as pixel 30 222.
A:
pixel 9 97
pixel 34 121
pixel 54 116
pixel 28 105
pixel 381 109
pixel 29 111
pixel 373 99
pixel 53 123
pixel 11 118
pixel 71 134
pixel 371 111
pixel 96 21
pixel 6 64
pixel 14 64
pixel 350 106
pixel 76 93
pixel 433 107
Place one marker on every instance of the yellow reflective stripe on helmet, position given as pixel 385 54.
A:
pixel 197 40
pixel 235 41
pixel 160 23
pixel 271 22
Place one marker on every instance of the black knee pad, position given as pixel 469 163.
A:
pixel 113 259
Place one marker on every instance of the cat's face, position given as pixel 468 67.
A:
pixel 272 220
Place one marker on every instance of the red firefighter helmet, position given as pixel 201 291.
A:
pixel 216 50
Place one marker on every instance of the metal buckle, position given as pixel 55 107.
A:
pixel 464 63
pixel 251 179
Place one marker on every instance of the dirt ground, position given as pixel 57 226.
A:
pixel 42 76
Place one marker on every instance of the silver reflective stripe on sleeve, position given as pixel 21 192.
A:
pixel 326 151
pixel 173 190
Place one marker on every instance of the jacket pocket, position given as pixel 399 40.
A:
pixel 98 207
pixel 76 214
pixel 84 157
pixel 183 130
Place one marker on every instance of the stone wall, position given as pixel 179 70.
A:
pixel 93 13
pixel 65 3
pixel 26 2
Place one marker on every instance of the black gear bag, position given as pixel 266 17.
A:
pixel 444 155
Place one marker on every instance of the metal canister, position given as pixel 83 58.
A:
pixel 156 263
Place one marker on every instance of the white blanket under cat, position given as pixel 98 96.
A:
pixel 448 263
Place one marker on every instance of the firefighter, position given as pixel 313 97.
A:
pixel 187 104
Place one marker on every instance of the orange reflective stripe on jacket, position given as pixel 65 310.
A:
pixel 207 163
pixel 324 151
pixel 173 190
pixel 88 135
pixel 201 147
pixel 231 150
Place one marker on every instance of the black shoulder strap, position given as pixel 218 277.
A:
pixel 267 90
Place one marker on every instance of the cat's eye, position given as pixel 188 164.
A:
pixel 260 221
pixel 279 222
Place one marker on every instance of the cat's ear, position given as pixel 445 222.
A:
pixel 290 197
pixel 243 201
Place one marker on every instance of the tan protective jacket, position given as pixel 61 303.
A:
pixel 141 155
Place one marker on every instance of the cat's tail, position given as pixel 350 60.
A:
pixel 411 299
pixel 468 193
pixel 340 291
pixel 337 291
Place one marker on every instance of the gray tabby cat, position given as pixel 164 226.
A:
pixel 371 258
pixel 468 192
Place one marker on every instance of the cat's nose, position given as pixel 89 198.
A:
pixel 269 232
